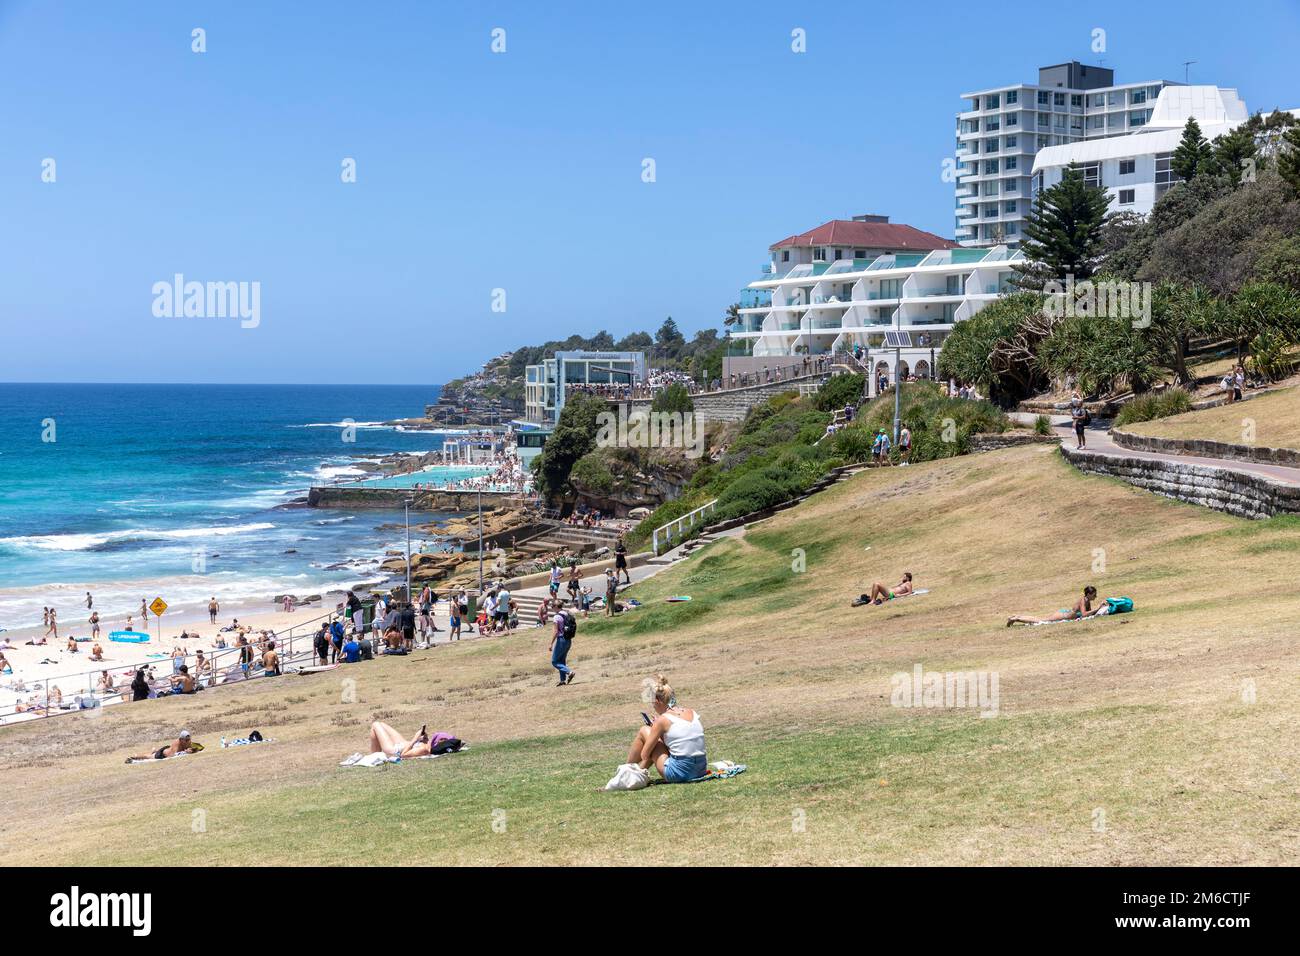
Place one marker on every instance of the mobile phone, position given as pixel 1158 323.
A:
pixel 646 718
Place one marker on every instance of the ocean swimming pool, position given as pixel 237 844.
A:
pixel 437 476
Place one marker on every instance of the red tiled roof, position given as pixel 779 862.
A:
pixel 867 235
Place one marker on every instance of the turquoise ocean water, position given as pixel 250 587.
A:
pixel 181 489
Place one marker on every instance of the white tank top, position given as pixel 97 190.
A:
pixel 685 738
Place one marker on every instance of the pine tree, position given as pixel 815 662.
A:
pixel 1288 159
pixel 1064 231
pixel 1193 155
pixel 1234 155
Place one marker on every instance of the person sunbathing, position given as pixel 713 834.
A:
pixel 4 663
pixel 674 741
pixel 96 652
pixel 384 739
pixel 72 644
pixel 1082 608
pixel 880 594
pixel 181 745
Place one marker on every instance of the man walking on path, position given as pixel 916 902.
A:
pixel 566 626
pixel 620 560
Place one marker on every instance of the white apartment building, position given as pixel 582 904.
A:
pixel 545 384
pixel 1134 169
pixel 1001 134
pixel 836 302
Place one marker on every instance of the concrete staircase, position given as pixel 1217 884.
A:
pixel 558 536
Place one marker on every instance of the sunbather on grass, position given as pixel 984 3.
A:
pixel 880 594
pixel 181 745
pixel 1082 608
pixel 383 738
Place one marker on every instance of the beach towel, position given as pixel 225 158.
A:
pixel 721 770
pixel 378 758
pixel 156 760
pixel 678 599
pixel 244 742
pixel 629 776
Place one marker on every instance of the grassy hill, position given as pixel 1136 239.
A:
pixel 1276 417
pixel 1122 740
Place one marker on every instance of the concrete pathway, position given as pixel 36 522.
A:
pixel 1101 443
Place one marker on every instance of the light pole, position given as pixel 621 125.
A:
pixel 480 543
pixel 407 505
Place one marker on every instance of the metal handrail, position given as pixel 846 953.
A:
pixel 689 517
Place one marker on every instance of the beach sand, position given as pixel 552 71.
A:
pixel 68 671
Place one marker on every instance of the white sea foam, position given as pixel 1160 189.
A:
pixel 83 542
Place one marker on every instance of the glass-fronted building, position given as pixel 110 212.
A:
pixel 546 383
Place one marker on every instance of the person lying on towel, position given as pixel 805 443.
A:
pixel 673 741
pixel 1081 608
pixel 383 738
pixel 181 745
pixel 880 594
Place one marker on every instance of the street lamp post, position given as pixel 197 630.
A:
pixel 407 504
pixel 480 543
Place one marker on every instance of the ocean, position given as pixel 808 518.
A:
pixel 178 491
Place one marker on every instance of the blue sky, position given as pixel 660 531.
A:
pixel 478 171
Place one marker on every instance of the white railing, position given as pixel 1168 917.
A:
pixel 681 525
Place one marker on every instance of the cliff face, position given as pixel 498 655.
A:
pixel 616 480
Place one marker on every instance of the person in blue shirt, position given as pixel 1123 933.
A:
pixel 351 651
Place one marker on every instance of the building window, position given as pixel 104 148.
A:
pixel 1137 96
pixel 1126 197
pixel 1115 120
pixel 1127 167
pixel 992 101
pixel 1165 176
pixel 992 145
pixel 1114 98
pixel 1013 119
pixel 1010 162
pixel 1097 100
pixel 991 125
pixel 1008 185
pixel 1137 118
pixel 1097 122
pixel 1076 100
pixel 1091 174
pixel 1011 142
pixel 1044 97
pixel 1044 142
pixel 785 255
pixel 839 254
pixel 1044 120
pixel 859 253
pixel 819 255
pixel 1009 206
pixel 990 166
pixel 1013 96
pixel 1012 229
pixel 1058 99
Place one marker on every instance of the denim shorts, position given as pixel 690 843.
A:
pixel 685 769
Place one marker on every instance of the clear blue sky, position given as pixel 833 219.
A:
pixel 478 171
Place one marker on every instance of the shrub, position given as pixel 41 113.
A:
pixel 1042 425
pixel 1270 356
pixel 1153 405
pixel 674 398
pixel 839 391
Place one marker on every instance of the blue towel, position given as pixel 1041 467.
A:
pixel 721 774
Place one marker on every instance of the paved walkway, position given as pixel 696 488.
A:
pixel 1101 443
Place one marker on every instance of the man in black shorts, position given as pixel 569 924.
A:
pixel 620 560
pixel 406 620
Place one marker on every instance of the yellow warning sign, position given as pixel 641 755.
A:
pixel 158 606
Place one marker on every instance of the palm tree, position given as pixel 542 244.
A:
pixel 733 315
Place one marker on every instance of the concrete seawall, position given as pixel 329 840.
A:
pixel 1239 493
pixel 344 496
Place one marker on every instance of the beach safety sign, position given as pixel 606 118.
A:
pixel 158 606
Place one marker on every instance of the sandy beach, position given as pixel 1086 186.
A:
pixel 75 673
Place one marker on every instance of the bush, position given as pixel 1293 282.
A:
pixel 1145 408
pixel 839 391
pixel 1042 425
pixel 1270 356
pixel 941 426
pixel 674 398
pixel 756 491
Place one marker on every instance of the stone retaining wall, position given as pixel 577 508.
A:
pixel 980 443
pixel 1237 493
pixel 358 496
pixel 1204 448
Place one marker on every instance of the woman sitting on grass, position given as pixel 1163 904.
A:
pixel 384 739
pixel 674 741
pixel 1082 608
pixel 880 594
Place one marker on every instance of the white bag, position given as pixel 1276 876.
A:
pixel 629 777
